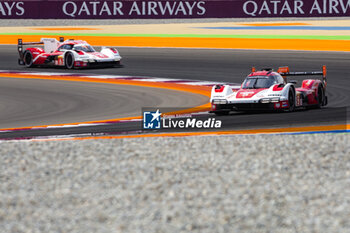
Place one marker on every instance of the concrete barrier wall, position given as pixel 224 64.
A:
pixel 165 9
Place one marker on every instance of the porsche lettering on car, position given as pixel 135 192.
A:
pixel 269 90
pixel 69 54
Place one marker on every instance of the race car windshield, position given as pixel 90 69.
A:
pixel 84 48
pixel 256 82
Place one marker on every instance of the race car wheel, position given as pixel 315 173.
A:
pixel 291 100
pixel 320 97
pixel 28 59
pixel 69 61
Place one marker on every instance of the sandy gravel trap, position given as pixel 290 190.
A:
pixel 265 183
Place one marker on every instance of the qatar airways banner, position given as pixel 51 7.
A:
pixel 165 9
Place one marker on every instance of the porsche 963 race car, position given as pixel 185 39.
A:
pixel 70 54
pixel 270 91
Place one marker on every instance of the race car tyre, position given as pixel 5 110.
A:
pixel 69 61
pixel 291 100
pixel 320 97
pixel 28 59
pixel 325 100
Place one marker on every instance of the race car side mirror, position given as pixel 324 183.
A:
pixel 293 81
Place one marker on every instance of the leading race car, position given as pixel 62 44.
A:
pixel 269 90
pixel 70 54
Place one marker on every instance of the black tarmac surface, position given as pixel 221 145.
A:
pixel 68 102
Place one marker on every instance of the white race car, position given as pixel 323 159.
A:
pixel 269 90
pixel 70 54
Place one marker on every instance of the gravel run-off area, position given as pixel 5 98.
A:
pixel 252 183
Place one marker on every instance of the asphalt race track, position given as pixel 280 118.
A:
pixel 199 64
pixel 31 102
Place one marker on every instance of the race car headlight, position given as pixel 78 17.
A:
pixel 265 100
pixel 91 60
pixel 275 100
pixel 219 101
pixel 270 100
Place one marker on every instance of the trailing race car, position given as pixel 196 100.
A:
pixel 269 90
pixel 70 54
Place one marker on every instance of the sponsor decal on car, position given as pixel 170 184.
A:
pixel 299 101
pixel 59 61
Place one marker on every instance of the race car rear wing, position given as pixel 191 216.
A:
pixel 284 71
pixel 20 45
